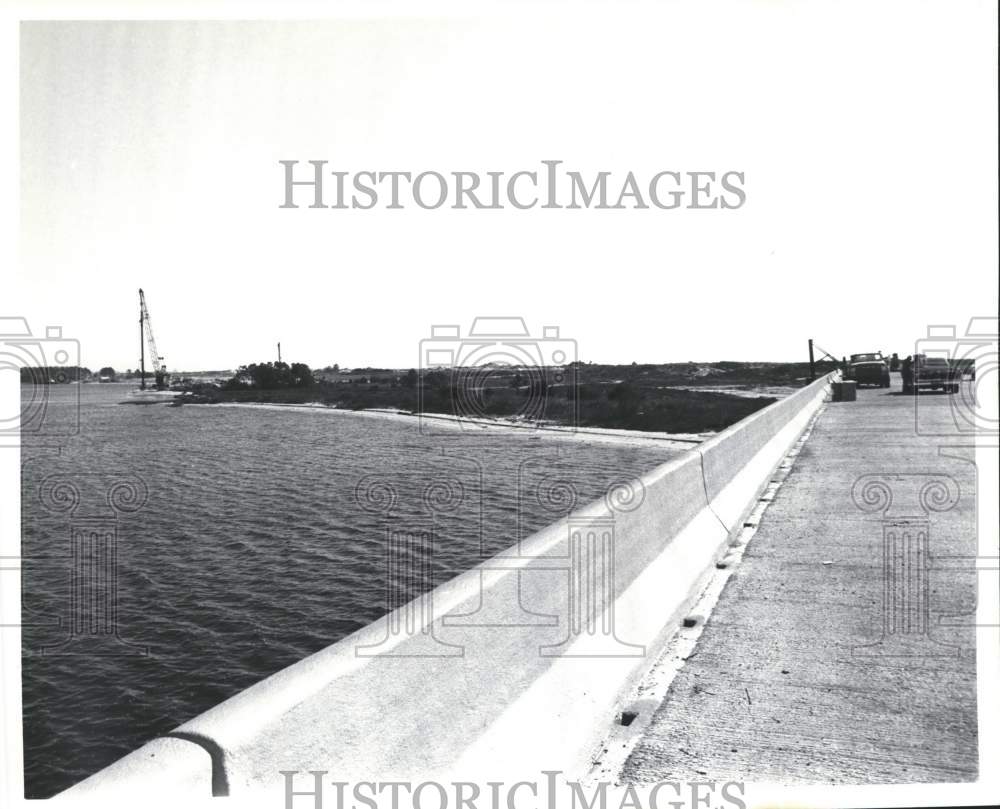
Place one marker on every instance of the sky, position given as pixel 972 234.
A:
pixel 866 134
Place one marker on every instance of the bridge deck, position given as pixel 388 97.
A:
pixel 778 688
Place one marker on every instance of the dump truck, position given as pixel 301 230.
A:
pixel 869 369
pixel 921 372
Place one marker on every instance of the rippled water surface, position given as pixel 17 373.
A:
pixel 246 540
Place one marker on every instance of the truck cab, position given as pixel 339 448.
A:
pixel 869 369
pixel 921 372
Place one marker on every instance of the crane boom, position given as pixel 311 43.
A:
pixel 146 331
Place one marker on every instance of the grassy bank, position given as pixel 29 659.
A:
pixel 631 397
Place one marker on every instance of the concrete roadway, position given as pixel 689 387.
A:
pixel 778 688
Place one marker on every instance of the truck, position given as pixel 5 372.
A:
pixel 869 369
pixel 921 372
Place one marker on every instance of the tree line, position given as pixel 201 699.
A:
pixel 64 374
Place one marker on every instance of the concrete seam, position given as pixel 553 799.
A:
pixel 704 485
pixel 704 481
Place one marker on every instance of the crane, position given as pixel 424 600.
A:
pixel 146 337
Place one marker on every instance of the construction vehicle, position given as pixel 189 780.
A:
pixel 160 375
pixel 869 369
pixel 921 372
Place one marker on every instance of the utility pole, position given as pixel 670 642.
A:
pixel 812 362
pixel 279 351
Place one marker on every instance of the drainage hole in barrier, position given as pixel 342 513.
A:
pixel 721 565
pixel 627 718
pixel 690 621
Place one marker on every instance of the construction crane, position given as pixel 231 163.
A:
pixel 146 337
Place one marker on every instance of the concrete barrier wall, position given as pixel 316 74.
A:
pixel 728 452
pixel 517 665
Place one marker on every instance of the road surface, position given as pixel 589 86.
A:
pixel 815 665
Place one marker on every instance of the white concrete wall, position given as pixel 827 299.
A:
pixel 495 685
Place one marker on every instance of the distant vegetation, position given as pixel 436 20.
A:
pixel 729 374
pixel 272 376
pixel 64 374
pixel 54 375
pixel 636 397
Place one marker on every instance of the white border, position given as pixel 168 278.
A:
pixel 987 790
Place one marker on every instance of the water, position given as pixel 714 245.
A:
pixel 254 548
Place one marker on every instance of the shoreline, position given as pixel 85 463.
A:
pixel 756 392
pixel 678 441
